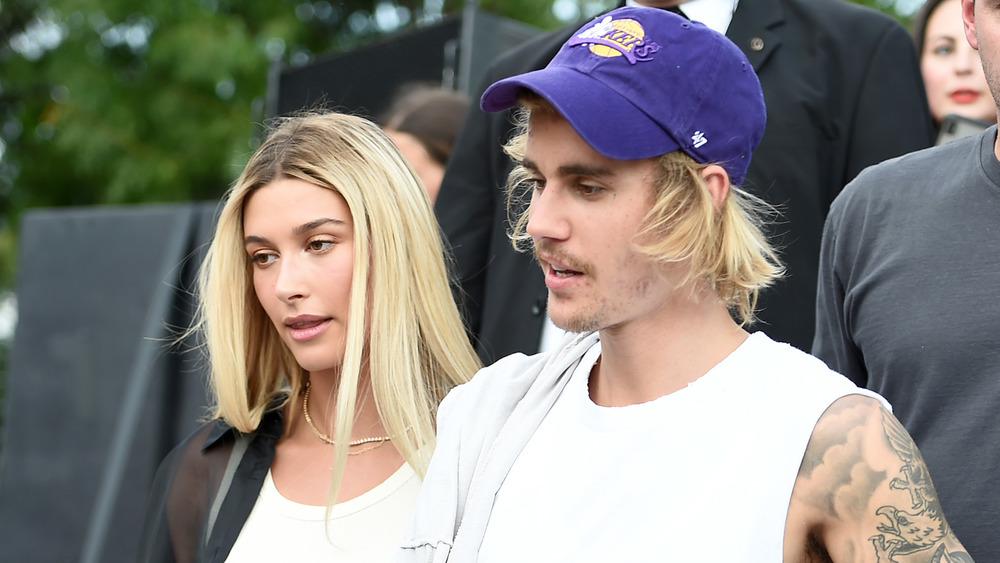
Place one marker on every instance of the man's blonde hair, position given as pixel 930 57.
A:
pixel 403 328
pixel 725 247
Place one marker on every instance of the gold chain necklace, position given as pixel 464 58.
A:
pixel 378 440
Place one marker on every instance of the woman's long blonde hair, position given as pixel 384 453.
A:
pixel 414 344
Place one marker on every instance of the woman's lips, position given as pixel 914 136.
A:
pixel 964 96
pixel 305 328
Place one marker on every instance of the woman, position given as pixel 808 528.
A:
pixel 953 74
pixel 424 123
pixel 332 337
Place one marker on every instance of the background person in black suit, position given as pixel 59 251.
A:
pixel 843 91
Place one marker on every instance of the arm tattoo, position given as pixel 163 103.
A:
pixel 921 526
pixel 836 459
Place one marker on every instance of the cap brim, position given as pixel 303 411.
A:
pixel 606 120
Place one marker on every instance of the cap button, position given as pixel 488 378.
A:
pixel 756 44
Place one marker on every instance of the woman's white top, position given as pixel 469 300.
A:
pixel 367 528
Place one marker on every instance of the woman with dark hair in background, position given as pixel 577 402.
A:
pixel 953 74
pixel 424 122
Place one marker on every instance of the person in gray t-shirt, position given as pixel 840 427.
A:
pixel 907 303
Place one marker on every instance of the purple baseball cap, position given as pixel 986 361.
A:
pixel 640 82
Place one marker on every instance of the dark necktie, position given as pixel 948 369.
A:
pixel 677 10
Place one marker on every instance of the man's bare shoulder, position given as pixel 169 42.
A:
pixel 863 493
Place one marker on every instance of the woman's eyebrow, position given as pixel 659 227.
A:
pixel 306 227
pixel 303 228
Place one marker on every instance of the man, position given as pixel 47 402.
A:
pixel 663 431
pixel 907 302
pixel 843 90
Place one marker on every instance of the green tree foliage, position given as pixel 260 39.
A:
pixel 535 12
pixel 150 105
pixel 902 10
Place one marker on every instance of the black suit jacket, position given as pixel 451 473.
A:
pixel 843 91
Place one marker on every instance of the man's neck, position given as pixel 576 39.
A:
pixel 649 358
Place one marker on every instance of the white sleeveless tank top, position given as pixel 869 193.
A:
pixel 702 474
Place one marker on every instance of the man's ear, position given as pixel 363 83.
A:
pixel 717 181
pixel 969 22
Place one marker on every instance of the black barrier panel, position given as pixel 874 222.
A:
pixel 486 36
pixel 453 53
pixel 96 288
pixel 363 80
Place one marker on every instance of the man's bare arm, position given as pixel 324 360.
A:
pixel 863 493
